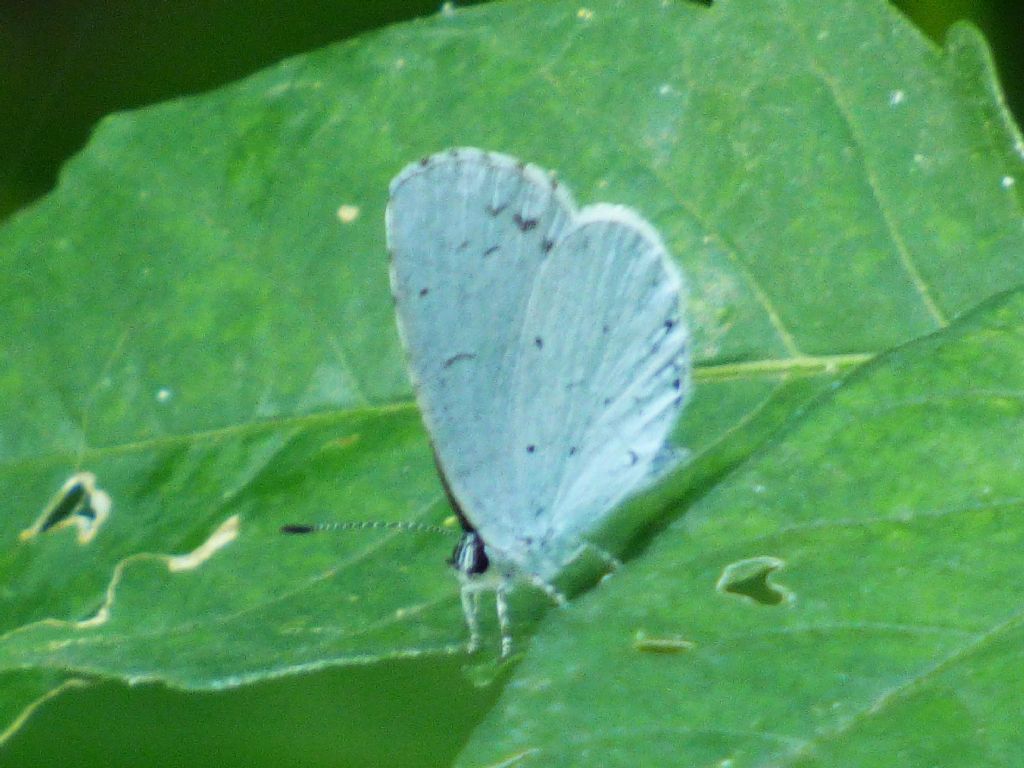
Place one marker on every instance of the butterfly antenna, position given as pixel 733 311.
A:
pixel 364 525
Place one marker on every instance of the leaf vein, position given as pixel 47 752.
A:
pixel 906 260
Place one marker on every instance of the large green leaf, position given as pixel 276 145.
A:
pixel 194 318
pixel 848 595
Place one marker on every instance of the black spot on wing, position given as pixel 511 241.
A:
pixel 424 291
pixel 525 225
pixel 492 249
pixel 457 359
pixel 538 342
pixel 531 448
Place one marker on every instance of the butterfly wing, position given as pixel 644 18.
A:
pixel 603 372
pixel 467 231
pixel 546 347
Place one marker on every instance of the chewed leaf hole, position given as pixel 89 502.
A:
pixel 750 579
pixel 226 533
pixel 80 502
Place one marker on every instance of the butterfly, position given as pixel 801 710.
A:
pixel 549 356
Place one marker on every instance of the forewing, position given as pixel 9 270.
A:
pixel 467 231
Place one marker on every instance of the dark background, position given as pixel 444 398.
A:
pixel 67 63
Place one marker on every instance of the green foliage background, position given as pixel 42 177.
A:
pixel 68 63
pixel 942 508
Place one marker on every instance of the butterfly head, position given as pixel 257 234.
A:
pixel 470 555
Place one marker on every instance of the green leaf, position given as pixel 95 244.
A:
pixel 194 319
pixel 882 535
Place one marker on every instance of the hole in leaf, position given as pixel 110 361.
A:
pixel 750 579
pixel 80 502
pixel 72 499
pixel 226 533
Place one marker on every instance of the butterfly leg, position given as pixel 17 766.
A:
pixel 501 603
pixel 610 561
pixel 548 589
pixel 470 596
